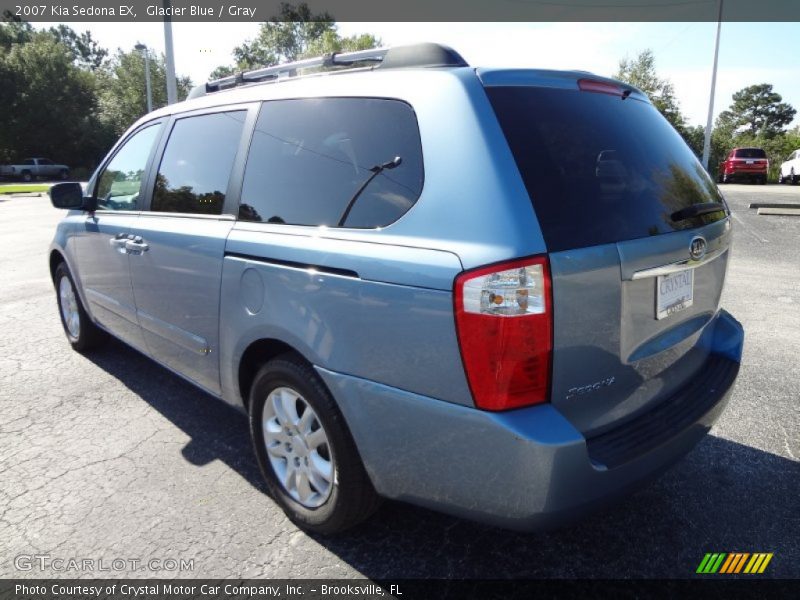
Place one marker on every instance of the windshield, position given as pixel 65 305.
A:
pixel 599 168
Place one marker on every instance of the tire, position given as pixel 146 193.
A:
pixel 27 177
pixel 780 178
pixel 63 175
pixel 792 177
pixel 82 334
pixel 322 506
pixel 763 180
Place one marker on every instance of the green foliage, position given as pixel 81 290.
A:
pixel 331 41
pixel 220 72
pixel 86 52
pixel 694 136
pixel 641 72
pixel 294 34
pixel 123 98
pixel 63 96
pixel 49 104
pixel 14 31
pixel 758 112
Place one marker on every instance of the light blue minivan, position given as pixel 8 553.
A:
pixel 491 292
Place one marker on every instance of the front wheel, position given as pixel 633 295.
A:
pixel 792 177
pixel 63 175
pixel 305 451
pixel 82 334
pixel 27 177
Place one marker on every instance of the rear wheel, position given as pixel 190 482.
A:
pixel 63 174
pixel 82 334
pixel 305 451
pixel 26 176
pixel 792 177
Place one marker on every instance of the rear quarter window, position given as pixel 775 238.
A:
pixel 309 158
pixel 598 168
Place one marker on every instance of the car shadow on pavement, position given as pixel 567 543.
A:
pixel 723 497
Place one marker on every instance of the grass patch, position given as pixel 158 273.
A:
pixel 17 188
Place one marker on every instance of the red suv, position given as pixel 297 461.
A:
pixel 744 163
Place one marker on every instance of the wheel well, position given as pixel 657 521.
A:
pixel 256 354
pixel 55 259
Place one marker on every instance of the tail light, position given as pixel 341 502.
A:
pixel 504 319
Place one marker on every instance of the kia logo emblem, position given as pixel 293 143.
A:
pixel 697 249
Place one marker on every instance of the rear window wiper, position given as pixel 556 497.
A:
pixel 695 210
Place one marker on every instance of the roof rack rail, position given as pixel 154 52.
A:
pixel 414 55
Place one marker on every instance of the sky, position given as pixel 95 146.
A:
pixel 750 53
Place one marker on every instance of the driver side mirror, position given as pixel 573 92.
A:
pixel 70 196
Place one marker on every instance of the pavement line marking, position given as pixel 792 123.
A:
pixel 747 229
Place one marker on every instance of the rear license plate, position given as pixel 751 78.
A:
pixel 749 162
pixel 674 292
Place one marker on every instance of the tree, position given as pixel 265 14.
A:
pixel 86 52
pixel 758 111
pixel 122 88
pixel 294 34
pixel 60 97
pixel 49 104
pixel 641 72
pixel 694 136
pixel 14 31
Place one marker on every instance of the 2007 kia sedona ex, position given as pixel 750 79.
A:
pixel 491 292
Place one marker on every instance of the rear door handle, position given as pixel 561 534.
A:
pixel 118 242
pixel 136 245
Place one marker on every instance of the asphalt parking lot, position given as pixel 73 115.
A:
pixel 110 456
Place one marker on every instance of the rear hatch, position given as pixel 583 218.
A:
pixel 636 235
pixel 750 159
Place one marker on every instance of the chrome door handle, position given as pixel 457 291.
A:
pixel 118 242
pixel 136 245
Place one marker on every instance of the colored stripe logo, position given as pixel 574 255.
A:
pixel 734 562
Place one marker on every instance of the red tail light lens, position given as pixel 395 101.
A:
pixel 505 330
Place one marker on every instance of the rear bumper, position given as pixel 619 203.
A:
pixel 523 469
pixel 745 172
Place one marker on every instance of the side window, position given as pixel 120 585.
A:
pixel 194 171
pixel 323 161
pixel 45 161
pixel 28 161
pixel 120 183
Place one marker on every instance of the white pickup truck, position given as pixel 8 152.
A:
pixel 33 168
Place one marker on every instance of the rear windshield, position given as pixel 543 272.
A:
pixel 750 153
pixel 600 169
